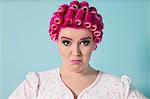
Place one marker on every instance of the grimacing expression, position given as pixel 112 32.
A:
pixel 75 47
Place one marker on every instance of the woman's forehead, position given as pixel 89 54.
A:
pixel 75 33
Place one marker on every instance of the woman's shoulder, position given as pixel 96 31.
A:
pixel 121 85
pixel 35 76
pixel 30 86
pixel 115 82
pixel 111 78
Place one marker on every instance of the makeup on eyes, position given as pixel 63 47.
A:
pixel 68 41
pixel 85 42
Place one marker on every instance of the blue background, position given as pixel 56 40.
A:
pixel 25 45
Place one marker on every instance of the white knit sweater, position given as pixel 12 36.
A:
pixel 49 85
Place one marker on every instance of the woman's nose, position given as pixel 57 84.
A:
pixel 76 50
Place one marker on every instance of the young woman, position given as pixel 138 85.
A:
pixel 77 29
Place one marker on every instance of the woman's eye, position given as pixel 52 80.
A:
pixel 85 43
pixel 66 43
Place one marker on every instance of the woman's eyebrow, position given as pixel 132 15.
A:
pixel 66 38
pixel 85 38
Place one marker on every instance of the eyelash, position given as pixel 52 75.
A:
pixel 68 43
pixel 85 43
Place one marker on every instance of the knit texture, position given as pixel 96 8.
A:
pixel 49 85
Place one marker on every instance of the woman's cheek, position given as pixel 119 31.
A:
pixel 87 52
pixel 63 51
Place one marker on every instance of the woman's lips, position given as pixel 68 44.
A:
pixel 76 61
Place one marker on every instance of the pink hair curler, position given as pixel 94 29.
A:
pixel 99 17
pixel 58 19
pixel 69 17
pixel 93 27
pixel 97 40
pixel 88 20
pixel 94 24
pixel 97 33
pixel 93 10
pixel 63 8
pixel 79 17
pixel 53 37
pixel 52 32
pixel 54 27
pixel 84 6
pixel 74 5
pixel 76 15
pixel 100 25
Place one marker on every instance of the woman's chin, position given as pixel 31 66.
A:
pixel 78 68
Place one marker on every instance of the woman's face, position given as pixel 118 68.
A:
pixel 75 47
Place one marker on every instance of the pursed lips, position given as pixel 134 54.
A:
pixel 76 61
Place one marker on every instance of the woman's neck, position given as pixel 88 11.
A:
pixel 78 81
